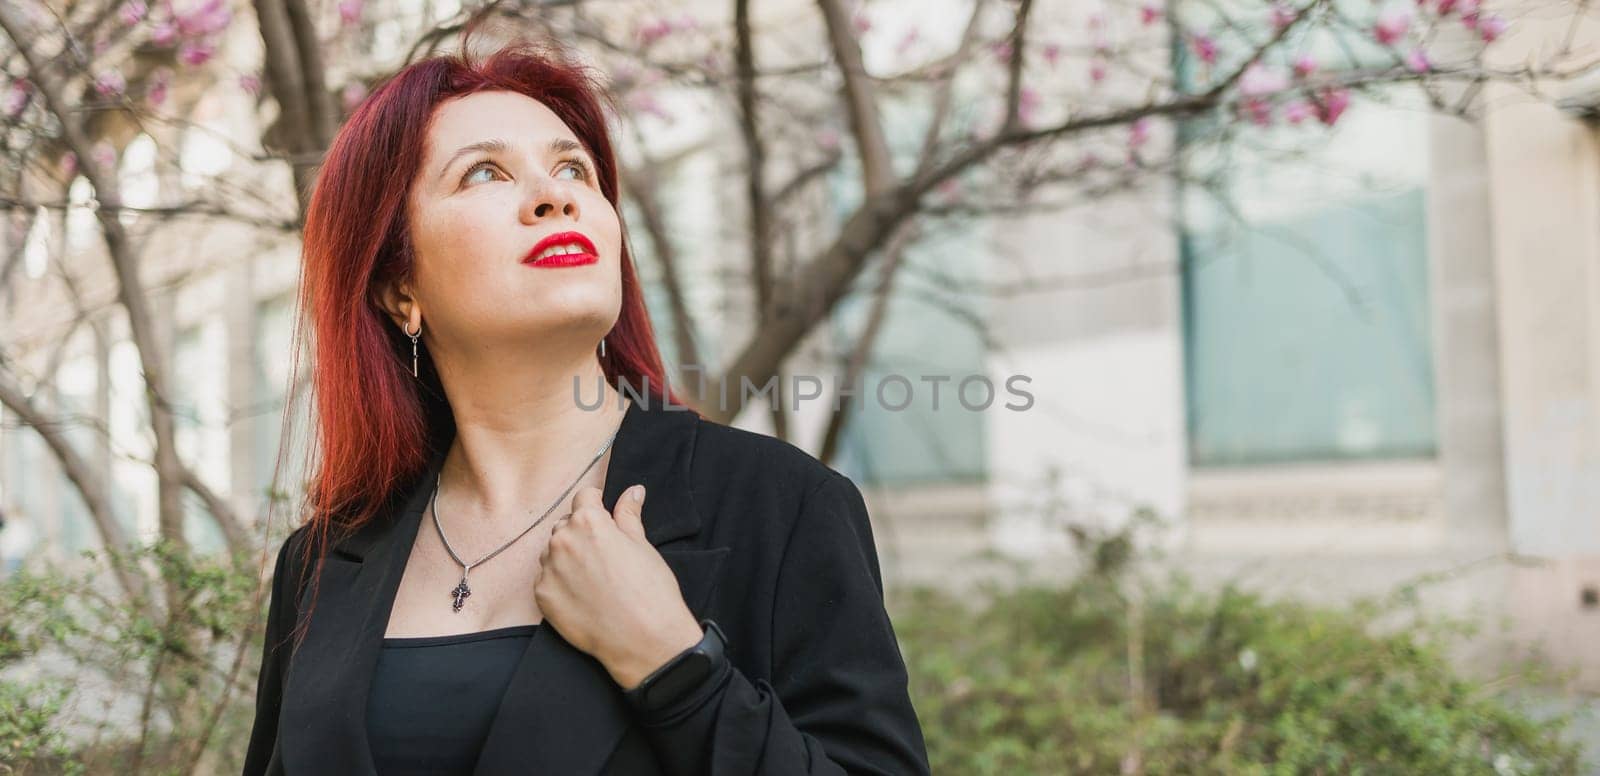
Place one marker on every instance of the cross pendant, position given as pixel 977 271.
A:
pixel 461 592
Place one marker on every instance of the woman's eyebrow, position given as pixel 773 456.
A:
pixel 496 145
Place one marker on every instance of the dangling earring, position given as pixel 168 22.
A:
pixel 407 328
pixel 602 347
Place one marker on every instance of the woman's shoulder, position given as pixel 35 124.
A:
pixel 728 453
pixel 763 492
pixel 293 554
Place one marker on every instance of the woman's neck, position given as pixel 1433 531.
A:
pixel 522 435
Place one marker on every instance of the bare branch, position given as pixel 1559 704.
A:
pixel 180 210
pixel 877 170
pixel 861 354
pixel 642 185
pixel 1019 37
pixel 90 484
pixel 941 98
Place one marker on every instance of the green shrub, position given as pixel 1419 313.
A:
pixel 73 647
pixel 1092 679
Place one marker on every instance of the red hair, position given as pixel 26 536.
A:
pixel 377 426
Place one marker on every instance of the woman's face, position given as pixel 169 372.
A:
pixel 500 173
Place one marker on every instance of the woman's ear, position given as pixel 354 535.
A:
pixel 396 299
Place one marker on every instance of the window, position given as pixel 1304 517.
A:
pixel 133 480
pixel 83 229
pixel 1305 281
pixel 76 387
pixel 37 246
pixel 140 185
pixel 273 348
pixel 200 409
pixel 26 455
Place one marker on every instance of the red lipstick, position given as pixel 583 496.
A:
pixel 586 253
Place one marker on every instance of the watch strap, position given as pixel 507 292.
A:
pixel 710 655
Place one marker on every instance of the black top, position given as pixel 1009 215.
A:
pixel 433 698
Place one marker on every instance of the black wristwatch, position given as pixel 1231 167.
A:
pixel 684 672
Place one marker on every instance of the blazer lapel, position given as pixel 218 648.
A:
pixel 324 713
pixel 562 713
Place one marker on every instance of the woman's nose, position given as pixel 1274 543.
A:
pixel 547 196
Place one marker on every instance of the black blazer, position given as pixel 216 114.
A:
pixel 763 538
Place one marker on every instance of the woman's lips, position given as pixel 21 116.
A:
pixel 564 260
pixel 566 239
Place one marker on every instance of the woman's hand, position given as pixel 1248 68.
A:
pixel 608 592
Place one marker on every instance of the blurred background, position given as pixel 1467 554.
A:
pixel 1229 371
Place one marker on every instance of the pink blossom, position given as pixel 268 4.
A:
pixel 208 19
pixel 1445 7
pixel 948 188
pixel 16 97
pixel 1259 81
pixel 1097 70
pixel 1283 15
pixel 1002 50
pixel 646 102
pixel 349 11
pixel 1417 61
pixel 907 41
pixel 156 90
pixel 1052 53
pixel 1297 111
pixel 352 95
pixel 1257 110
pixel 655 30
pixel 712 62
pixel 1089 160
pixel 1139 132
pixel 104 155
pixel 250 82
pixel 195 53
pixel 110 83
pixel 650 76
pixel 1392 26
pixel 1468 8
pixel 1205 48
pixel 1149 14
pixel 1491 27
pixel 861 23
pixel 163 34
pixel 1331 104
pixel 1305 65
pixel 69 164
pixel 132 12
pixel 624 73
pixel 100 45
pixel 1028 105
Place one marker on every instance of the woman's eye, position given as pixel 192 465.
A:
pixel 475 169
pixel 581 168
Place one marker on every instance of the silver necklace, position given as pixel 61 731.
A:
pixel 462 590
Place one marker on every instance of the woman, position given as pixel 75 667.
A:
pixel 524 555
